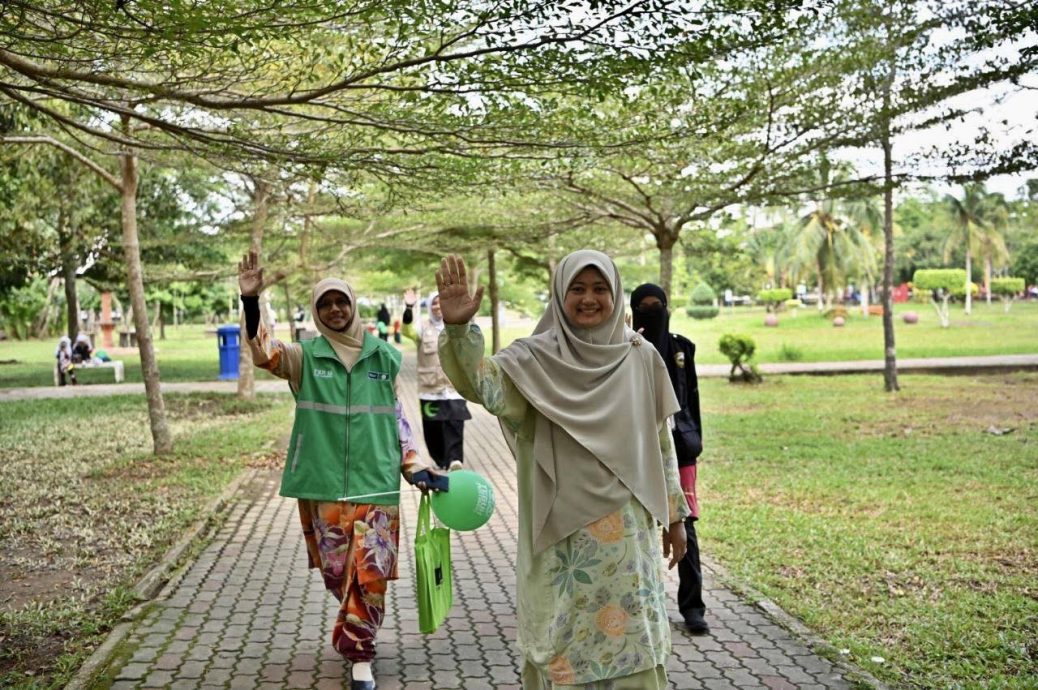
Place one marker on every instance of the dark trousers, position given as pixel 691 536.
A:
pixel 690 576
pixel 445 440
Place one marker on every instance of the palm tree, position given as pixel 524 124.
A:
pixel 831 241
pixel 866 214
pixel 974 222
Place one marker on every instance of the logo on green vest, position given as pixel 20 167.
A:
pixel 378 376
pixel 323 373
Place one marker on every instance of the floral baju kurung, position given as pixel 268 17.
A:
pixel 591 607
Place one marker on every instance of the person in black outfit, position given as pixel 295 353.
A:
pixel 652 319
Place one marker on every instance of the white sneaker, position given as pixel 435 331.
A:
pixel 455 465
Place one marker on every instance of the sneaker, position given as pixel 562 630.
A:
pixel 455 465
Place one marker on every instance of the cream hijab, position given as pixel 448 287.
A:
pixel 348 343
pixel 603 395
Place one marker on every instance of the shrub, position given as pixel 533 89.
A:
pixel 793 303
pixel 773 298
pixel 702 312
pixel 1007 289
pixel 939 284
pixel 959 291
pixel 739 350
pixel 790 353
pixel 702 303
pixel 1007 286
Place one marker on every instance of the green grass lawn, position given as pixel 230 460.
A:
pixel 988 331
pixel 896 526
pixel 85 511
pixel 189 354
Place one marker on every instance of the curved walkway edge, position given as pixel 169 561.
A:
pixel 245 613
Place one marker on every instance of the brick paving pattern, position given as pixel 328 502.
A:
pixel 247 614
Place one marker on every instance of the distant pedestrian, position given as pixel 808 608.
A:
pixel 651 318
pixel 583 403
pixel 382 324
pixel 82 350
pixel 63 355
pixel 444 411
pixel 350 443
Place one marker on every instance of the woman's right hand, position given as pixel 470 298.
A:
pixel 250 275
pixel 410 298
pixel 456 304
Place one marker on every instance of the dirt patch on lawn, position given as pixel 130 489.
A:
pixel 998 404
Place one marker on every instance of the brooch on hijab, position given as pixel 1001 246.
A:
pixel 636 340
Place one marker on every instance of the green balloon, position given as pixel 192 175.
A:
pixel 467 504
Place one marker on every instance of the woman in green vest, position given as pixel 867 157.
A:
pixel 350 444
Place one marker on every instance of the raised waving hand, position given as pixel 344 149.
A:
pixel 456 304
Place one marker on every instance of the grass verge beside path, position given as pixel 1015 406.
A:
pixel 988 331
pixel 190 354
pixel 896 526
pixel 187 354
pixel 85 511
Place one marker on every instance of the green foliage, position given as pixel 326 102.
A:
pixel 703 294
pixel 697 311
pixel 1008 287
pixel 739 349
pixel 20 306
pixel 1025 261
pixel 941 279
pixel 774 295
pixel 774 298
pixel 702 302
pixel 959 291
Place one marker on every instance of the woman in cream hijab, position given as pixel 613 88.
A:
pixel 345 384
pixel 583 403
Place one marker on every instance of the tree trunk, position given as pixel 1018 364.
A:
pixel 40 327
pixel 162 320
pixel 160 435
pixel 890 383
pixel 969 279
pixel 665 240
pixel 68 274
pixel 246 374
pixel 987 280
pixel 495 325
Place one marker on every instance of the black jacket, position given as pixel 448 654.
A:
pixel 688 426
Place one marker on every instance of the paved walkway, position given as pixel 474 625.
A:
pixel 246 613
pixel 943 365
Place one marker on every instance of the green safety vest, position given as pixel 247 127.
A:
pixel 345 444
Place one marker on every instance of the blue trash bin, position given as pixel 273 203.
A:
pixel 227 337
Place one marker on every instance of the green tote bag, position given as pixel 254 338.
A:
pixel 432 557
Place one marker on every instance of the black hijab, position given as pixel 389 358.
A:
pixel 654 325
pixel 383 315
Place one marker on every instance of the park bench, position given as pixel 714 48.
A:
pixel 115 366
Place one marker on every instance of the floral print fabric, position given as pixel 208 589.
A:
pixel 591 608
pixel 607 598
pixel 355 546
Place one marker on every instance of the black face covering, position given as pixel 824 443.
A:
pixel 654 323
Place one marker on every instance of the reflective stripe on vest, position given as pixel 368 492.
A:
pixel 345 411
